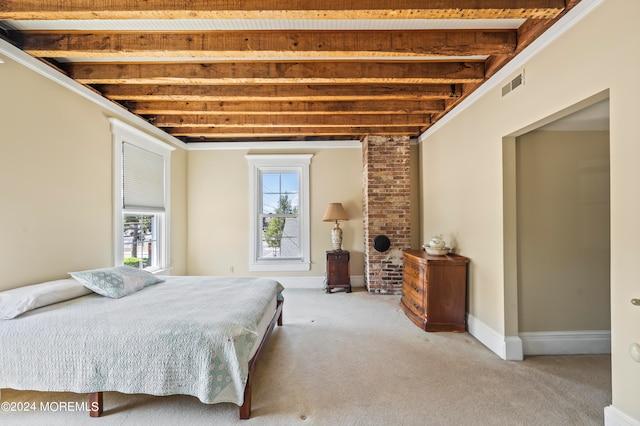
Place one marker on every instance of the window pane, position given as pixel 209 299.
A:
pixel 279 183
pixel 280 193
pixel 290 242
pixel 280 232
pixel 270 183
pixel 294 201
pixel 280 237
pixel 140 241
pixel 270 203
pixel 289 183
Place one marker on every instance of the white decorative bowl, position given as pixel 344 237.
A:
pixel 437 251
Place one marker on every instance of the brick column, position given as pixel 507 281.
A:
pixel 386 210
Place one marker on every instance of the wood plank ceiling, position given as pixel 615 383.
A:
pixel 264 70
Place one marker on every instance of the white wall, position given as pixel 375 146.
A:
pixel 55 170
pixel 463 166
pixel 56 182
pixel 218 200
pixel 563 225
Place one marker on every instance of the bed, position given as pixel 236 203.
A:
pixel 199 336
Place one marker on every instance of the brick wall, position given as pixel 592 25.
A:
pixel 386 211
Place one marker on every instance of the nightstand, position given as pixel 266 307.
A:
pixel 338 274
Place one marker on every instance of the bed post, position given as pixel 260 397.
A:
pixel 95 404
pixel 245 409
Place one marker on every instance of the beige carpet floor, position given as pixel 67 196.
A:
pixel 355 359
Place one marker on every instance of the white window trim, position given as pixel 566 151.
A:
pixel 123 132
pixel 258 163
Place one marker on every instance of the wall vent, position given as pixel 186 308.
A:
pixel 513 84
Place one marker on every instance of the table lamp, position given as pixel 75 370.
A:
pixel 336 212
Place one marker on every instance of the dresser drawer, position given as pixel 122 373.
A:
pixel 414 304
pixel 413 271
pixel 413 287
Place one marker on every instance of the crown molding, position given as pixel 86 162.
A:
pixel 116 111
pixel 274 145
pixel 575 15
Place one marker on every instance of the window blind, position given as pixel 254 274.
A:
pixel 142 179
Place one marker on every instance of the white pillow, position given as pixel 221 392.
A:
pixel 117 281
pixel 22 299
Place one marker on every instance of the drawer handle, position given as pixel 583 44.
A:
pixel 416 288
pixel 415 305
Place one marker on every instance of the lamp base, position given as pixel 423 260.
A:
pixel 336 237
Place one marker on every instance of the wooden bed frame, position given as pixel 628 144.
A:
pixel 96 405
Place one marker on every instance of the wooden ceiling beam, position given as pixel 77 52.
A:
pixel 292 108
pixel 258 132
pixel 277 9
pixel 356 72
pixel 292 93
pixel 286 120
pixel 323 83
pixel 266 44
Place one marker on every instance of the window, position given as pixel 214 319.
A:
pixel 140 239
pixel 278 217
pixel 279 206
pixel 141 189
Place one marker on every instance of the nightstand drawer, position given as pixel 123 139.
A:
pixel 338 257
pixel 338 274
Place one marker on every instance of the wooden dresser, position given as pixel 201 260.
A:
pixel 338 273
pixel 434 290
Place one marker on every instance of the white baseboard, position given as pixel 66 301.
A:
pixel 513 348
pixel 301 282
pixel 313 281
pixel 357 281
pixel 615 417
pixel 566 342
pixel 508 348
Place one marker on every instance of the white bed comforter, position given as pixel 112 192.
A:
pixel 188 335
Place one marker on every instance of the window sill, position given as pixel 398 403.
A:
pixel 159 271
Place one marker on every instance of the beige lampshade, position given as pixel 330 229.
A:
pixel 335 212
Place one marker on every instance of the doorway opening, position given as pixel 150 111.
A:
pixel 557 279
